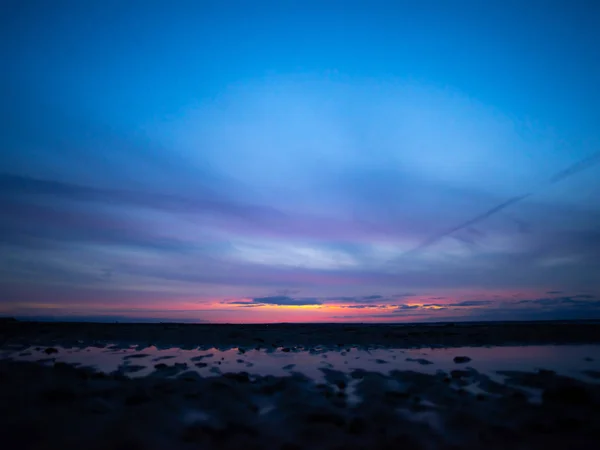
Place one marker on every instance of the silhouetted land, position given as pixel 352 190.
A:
pixel 224 336
pixel 54 405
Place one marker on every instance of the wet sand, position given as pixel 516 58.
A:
pixel 423 401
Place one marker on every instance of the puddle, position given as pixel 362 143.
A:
pixel 135 361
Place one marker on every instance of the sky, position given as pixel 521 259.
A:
pixel 300 161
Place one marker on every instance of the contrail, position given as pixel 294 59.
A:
pixel 469 222
pixel 573 169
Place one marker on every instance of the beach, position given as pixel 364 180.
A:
pixel 287 386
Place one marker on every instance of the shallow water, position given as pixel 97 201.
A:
pixel 136 361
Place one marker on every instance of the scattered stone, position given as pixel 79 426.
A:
pixel 200 357
pixel 137 398
pixel 568 394
pixel 286 349
pixel 98 406
pixel 59 365
pixel 592 373
pixel 45 360
pixel 325 417
pixel 137 355
pixel 201 365
pixel 240 377
pixel 289 367
pixel 460 374
pixel 59 395
pixel 50 351
pixel 421 361
pixel 190 376
pixel 162 358
pixel 357 425
pixel 130 368
pixel 381 361
pixel 461 359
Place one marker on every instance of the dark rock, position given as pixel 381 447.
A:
pixel 290 446
pixel 190 376
pixel 200 357
pixel 240 377
pixel 50 351
pixel 4 320
pixel 137 355
pixel 59 395
pixel 568 394
pixel 357 425
pixel 162 358
pixel 381 361
pixel 98 406
pixel 460 374
pixel 286 349
pixel 461 359
pixel 325 417
pixel 201 365
pixel 137 398
pixel 592 373
pixel 421 361
pixel 341 384
pixel 519 395
pixel 130 368
pixel 63 366
pixel 289 367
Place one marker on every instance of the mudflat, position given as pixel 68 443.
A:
pixel 286 387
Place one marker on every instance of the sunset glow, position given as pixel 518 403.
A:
pixel 228 166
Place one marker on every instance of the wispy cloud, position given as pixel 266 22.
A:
pixel 279 300
pixel 573 169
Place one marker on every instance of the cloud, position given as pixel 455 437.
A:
pixel 203 202
pixel 283 300
pixel 364 306
pixel 432 240
pixel 355 299
pixel 472 303
pixel 585 301
pixel 573 169
pixel 405 307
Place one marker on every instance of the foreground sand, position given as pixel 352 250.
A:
pixel 58 406
pixel 62 407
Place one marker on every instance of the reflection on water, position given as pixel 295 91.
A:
pixel 570 360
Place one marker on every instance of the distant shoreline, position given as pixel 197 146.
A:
pixel 307 335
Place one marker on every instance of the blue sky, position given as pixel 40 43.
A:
pixel 281 161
